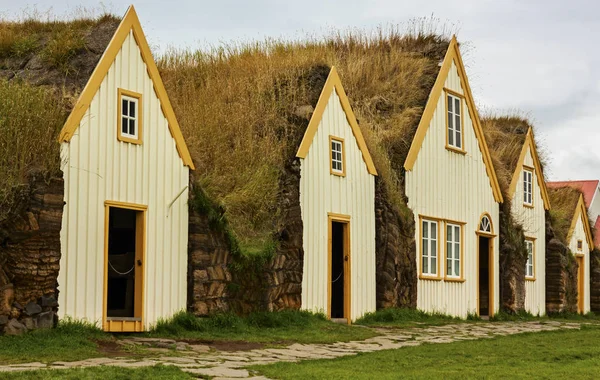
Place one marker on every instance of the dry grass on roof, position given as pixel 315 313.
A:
pixel 564 203
pixel 505 136
pixel 243 109
pixel 44 64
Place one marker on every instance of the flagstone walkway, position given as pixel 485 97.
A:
pixel 199 360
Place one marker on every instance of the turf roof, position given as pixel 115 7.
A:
pixel 244 109
pixel 564 205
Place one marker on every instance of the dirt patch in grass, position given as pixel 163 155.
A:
pixel 236 345
pixel 111 348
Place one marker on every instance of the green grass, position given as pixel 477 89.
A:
pixel 404 317
pixel 105 372
pixel 268 327
pixel 70 340
pixel 556 354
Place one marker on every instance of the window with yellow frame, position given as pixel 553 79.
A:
pixel 129 116
pixel 530 265
pixel 454 121
pixel 337 156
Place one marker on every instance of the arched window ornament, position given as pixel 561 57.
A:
pixel 485 225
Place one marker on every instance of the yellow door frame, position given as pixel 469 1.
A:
pixel 345 220
pixel 580 283
pixel 490 238
pixel 135 324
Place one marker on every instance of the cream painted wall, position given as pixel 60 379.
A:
pixel 322 193
pixel 445 184
pixel 533 221
pixel 97 168
pixel 579 234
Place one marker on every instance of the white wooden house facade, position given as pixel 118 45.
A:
pixel 454 194
pixel 529 202
pixel 126 171
pixel 337 200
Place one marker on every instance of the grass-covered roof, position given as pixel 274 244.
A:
pixel 44 65
pixel 244 109
pixel 564 205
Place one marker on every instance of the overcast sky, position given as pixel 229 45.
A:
pixel 537 57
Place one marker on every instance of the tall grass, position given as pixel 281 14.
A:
pixel 399 316
pixel 30 119
pixel 238 105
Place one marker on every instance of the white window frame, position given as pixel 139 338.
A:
pixel 453 250
pixel 457 134
pixel 337 159
pixel 130 100
pixel 429 244
pixel 527 187
pixel 530 264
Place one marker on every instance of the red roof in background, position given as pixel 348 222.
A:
pixel 588 188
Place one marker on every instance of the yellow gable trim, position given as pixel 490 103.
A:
pixel 129 22
pixel 453 55
pixel 581 212
pixel 333 81
pixel 530 143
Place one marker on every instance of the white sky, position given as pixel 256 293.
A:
pixel 532 55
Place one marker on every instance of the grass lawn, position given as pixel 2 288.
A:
pixel 264 327
pixel 73 340
pixel 555 354
pixel 144 373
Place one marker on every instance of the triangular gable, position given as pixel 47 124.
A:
pixel 581 212
pixel 130 22
pixel 530 143
pixel 453 55
pixel 333 82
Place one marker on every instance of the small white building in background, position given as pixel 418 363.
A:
pixel 529 202
pixel 337 201
pixel 454 194
pixel 126 171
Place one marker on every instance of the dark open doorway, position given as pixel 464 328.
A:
pixel 338 258
pixel 484 276
pixel 120 295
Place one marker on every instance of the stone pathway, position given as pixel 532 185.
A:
pixel 198 360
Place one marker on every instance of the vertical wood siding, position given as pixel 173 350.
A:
pixel 579 234
pixel 97 168
pixel 533 221
pixel 354 195
pixel 448 185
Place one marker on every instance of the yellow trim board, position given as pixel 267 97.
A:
pixel 333 82
pixel 453 55
pixel 581 212
pixel 530 143
pixel 129 23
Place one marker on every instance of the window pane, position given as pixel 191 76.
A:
pixel 458 140
pixel 132 106
pixel 433 248
pixel 433 265
pixel 425 230
pixel 457 106
pixel 449 103
pixel 449 232
pixel 425 265
pixel 124 107
pixel 132 126
pixel 457 268
pixel 124 128
pixel 457 124
pixel 450 131
pixel 449 250
pixel 433 230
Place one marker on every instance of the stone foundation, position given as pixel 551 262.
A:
pixel 219 282
pixel 30 256
pixel 395 252
pixel 513 258
pixel 561 275
pixel 595 280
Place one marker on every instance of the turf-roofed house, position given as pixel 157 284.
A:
pixel 573 227
pixel 121 239
pixel 454 194
pixel 307 209
pixel 523 213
